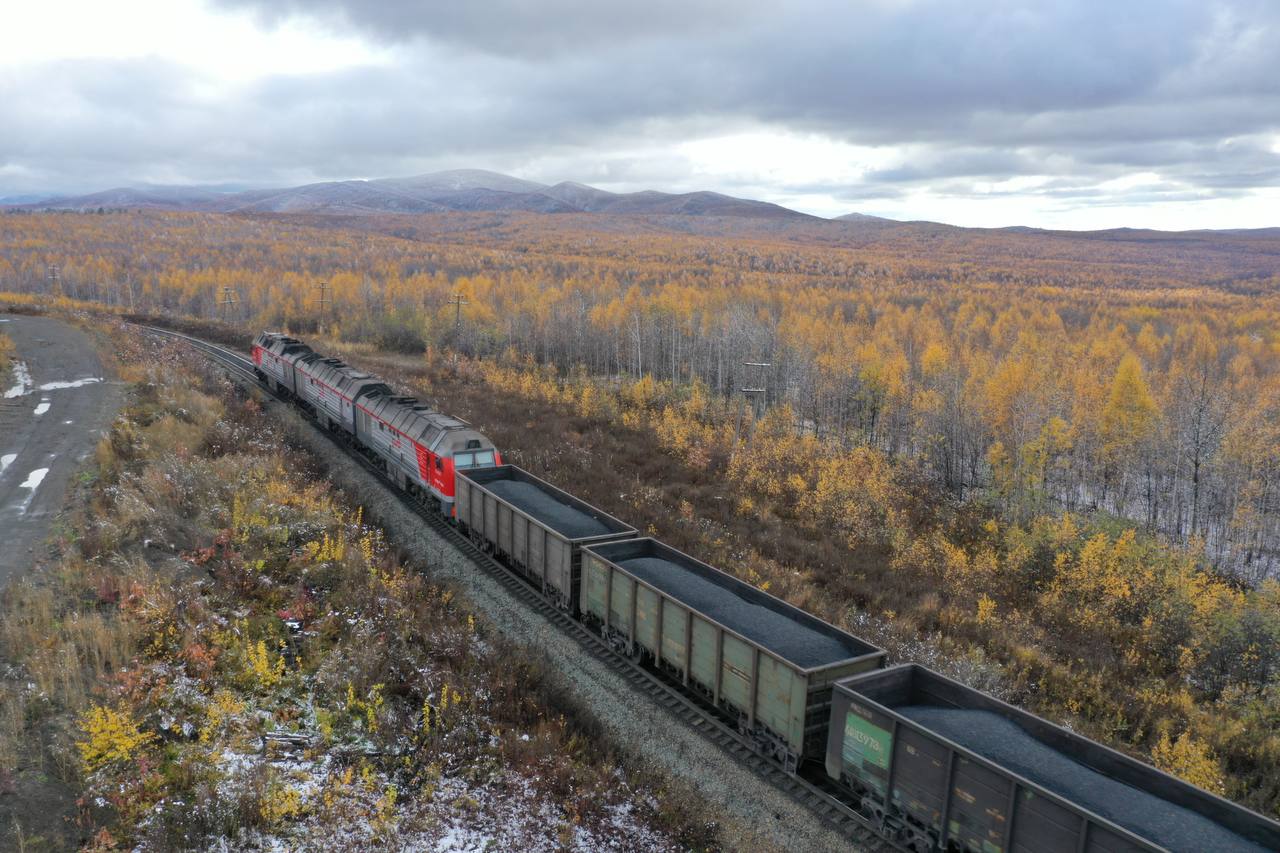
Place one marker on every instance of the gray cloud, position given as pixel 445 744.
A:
pixel 1082 92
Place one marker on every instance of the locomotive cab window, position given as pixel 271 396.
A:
pixel 473 460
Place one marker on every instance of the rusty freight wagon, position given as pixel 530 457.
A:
pixel 764 664
pixel 945 767
pixel 534 527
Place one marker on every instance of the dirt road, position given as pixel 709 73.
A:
pixel 56 404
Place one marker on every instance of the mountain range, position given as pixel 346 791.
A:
pixel 468 190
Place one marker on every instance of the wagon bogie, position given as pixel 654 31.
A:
pixel 765 665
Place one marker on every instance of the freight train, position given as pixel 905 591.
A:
pixel 934 765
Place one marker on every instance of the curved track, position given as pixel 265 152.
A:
pixel 812 789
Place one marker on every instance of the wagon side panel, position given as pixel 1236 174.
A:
pixel 1040 824
pixel 735 673
pixel 703 661
pixel 776 690
pixel 979 806
pixel 647 619
pixel 620 598
pixel 674 629
pixel 595 587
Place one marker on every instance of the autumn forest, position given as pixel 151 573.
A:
pixel 1074 440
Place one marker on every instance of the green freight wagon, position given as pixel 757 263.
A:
pixel 942 766
pixel 763 664
pixel 533 527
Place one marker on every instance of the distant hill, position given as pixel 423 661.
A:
pixel 470 190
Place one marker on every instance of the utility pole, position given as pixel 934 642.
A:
pixel 229 299
pixel 754 393
pixel 325 299
pixel 53 279
pixel 457 302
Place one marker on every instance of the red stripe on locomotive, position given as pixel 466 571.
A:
pixel 424 462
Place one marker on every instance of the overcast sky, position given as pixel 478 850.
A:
pixel 1055 113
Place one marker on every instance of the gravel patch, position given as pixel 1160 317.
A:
pixel 569 522
pixel 754 815
pixel 1151 817
pixel 788 638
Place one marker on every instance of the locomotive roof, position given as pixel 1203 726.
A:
pixel 415 419
pixel 281 342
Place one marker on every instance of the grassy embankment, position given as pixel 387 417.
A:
pixel 226 651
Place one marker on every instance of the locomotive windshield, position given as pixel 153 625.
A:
pixel 479 459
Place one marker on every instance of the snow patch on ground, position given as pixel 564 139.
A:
pixel 6 461
pixel 21 379
pixel 33 481
pixel 43 407
pixel 75 383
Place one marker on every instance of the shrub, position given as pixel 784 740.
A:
pixel 110 736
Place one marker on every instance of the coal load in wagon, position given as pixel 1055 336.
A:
pixel 1005 743
pixel 793 641
pixel 569 522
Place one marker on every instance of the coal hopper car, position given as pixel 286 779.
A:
pixel 945 767
pixel 536 528
pixel 759 662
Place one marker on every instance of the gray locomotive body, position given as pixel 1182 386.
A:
pixel 275 357
pixel 334 389
pixel 945 767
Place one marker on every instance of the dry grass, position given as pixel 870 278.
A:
pixel 6 353
pixel 187 638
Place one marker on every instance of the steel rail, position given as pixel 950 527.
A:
pixel 813 790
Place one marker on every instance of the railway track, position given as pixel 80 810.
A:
pixel 811 789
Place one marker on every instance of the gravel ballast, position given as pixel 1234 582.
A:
pixel 566 520
pixel 754 814
pixel 788 638
pixel 1007 744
